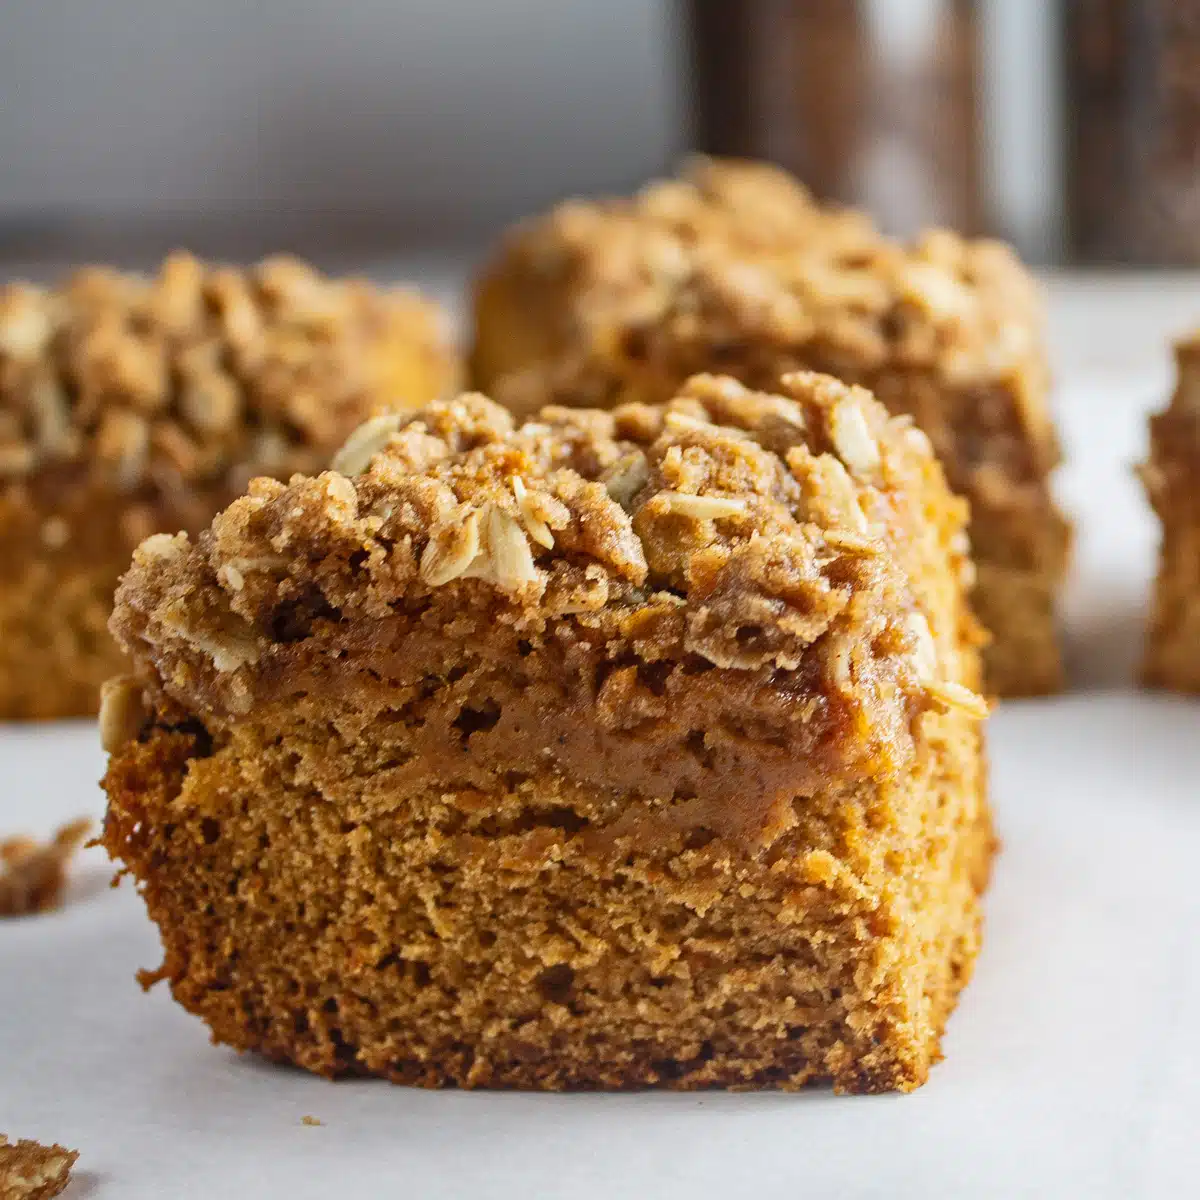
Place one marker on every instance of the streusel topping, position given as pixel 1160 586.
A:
pixel 178 378
pixel 735 253
pixel 754 532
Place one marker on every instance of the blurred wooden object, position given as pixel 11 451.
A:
pixel 870 102
pixel 1132 75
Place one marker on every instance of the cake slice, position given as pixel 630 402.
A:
pixel 734 269
pixel 130 405
pixel 604 749
pixel 1172 480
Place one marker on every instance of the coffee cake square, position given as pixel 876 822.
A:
pixel 132 405
pixel 600 749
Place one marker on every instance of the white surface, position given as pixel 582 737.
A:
pixel 1073 1064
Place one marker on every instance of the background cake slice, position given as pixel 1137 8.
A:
pixel 605 749
pixel 733 268
pixel 1172 480
pixel 131 405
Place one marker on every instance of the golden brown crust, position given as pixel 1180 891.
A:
pixel 132 405
pixel 734 268
pixel 31 1171
pixel 605 749
pixel 1172 482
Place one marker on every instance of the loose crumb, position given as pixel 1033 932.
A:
pixel 31 1171
pixel 311 1121
pixel 32 875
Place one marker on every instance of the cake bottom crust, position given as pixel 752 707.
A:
pixel 55 648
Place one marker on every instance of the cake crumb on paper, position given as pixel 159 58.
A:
pixel 32 874
pixel 31 1171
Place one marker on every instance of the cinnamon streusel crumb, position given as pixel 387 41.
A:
pixel 31 1171
pixel 734 268
pixel 598 749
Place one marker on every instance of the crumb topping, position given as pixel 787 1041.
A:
pixel 740 255
pixel 32 875
pixel 31 1171
pixel 179 378
pixel 753 531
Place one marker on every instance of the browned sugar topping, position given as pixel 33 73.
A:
pixel 742 528
pixel 181 377
pixel 739 252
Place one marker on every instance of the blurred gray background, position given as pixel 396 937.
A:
pixel 351 130
pixel 240 125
